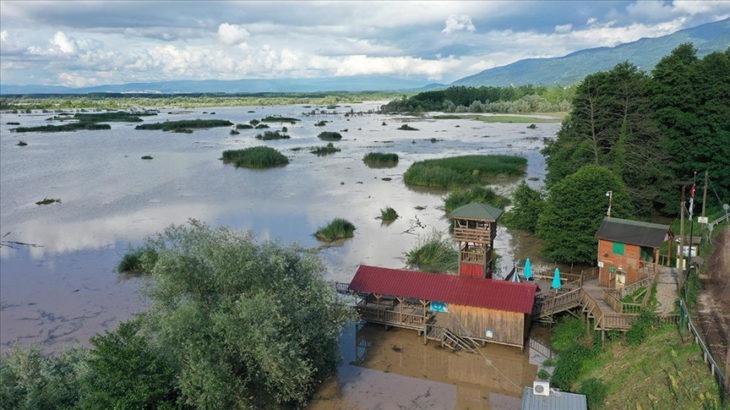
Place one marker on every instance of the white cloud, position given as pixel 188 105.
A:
pixel 591 21
pixel 3 36
pixel 63 44
pixel 563 28
pixel 458 22
pixel 232 34
pixel 76 80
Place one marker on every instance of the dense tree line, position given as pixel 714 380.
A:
pixel 639 135
pixel 232 324
pixel 527 98
pixel 653 130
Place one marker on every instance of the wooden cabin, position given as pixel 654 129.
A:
pixel 474 229
pixel 447 308
pixel 628 251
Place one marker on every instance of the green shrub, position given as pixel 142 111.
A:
pixel 272 135
pixel 255 157
pixel 475 193
pixel 463 171
pixel 640 327
pixel 380 160
pixel 568 332
pixel 570 362
pixel 549 362
pixel 543 374
pixel 528 204
pixel 325 150
pixel 140 260
pixel 337 229
pixel 388 214
pixel 435 253
pixel 595 392
pixel 406 127
pixel 329 136
pixel 184 125
pixel 274 118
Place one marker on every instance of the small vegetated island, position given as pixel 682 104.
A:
pixel 476 193
pixel 185 126
pixel 464 171
pixel 380 160
pixel 325 150
pixel 274 118
pixel 388 215
pixel 255 157
pixel 336 230
pixel 88 121
pixel 329 136
pixel 406 127
pixel 272 135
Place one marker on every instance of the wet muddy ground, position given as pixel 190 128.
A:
pixel 64 289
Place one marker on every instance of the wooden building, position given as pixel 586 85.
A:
pixel 628 251
pixel 458 311
pixel 474 229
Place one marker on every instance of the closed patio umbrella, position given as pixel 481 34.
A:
pixel 528 269
pixel 556 279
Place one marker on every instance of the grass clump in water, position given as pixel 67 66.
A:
pixel 406 127
pixel 140 260
pixel 435 253
pixel 325 150
pixel 21 143
pixel 272 135
pixel 234 132
pixel 320 123
pixel 461 171
pixel 255 157
pixel 72 126
pixel 184 125
pixel 273 118
pixel 329 136
pixel 262 126
pixel 48 201
pixel 475 193
pixel 146 157
pixel 337 229
pixel 244 126
pixel 388 214
pixel 380 160
pixel 116 116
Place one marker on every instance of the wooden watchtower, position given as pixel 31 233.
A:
pixel 474 229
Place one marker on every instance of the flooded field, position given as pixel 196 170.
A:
pixel 63 288
pixel 394 370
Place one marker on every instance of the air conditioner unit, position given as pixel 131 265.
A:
pixel 541 388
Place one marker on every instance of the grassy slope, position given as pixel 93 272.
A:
pixel 660 373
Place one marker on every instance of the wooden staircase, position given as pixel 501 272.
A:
pixel 456 343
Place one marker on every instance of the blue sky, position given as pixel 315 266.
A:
pixel 89 43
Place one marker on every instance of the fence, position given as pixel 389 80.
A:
pixel 715 369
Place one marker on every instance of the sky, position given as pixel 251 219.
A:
pixel 80 44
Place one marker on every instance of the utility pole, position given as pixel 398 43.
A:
pixel 692 192
pixel 609 194
pixel 704 195
pixel 680 254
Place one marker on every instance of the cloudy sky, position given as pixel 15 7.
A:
pixel 95 42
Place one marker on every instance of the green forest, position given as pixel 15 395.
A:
pixel 640 135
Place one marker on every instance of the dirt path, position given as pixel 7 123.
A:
pixel 666 290
pixel 714 299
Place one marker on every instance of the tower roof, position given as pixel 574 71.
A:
pixel 476 210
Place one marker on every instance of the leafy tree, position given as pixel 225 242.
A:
pixel 574 209
pixel 527 208
pixel 31 380
pixel 126 371
pixel 247 325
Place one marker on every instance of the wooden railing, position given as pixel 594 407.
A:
pixel 644 282
pixel 549 305
pixel 472 235
pixel 472 257
pixel 613 298
pixel 395 317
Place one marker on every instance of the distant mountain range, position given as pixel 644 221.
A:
pixel 279 85
pixel 644 53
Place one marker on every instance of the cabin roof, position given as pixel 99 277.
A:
pixel 633 232
pixel 556 400
pixel 476 210
pixel 442 287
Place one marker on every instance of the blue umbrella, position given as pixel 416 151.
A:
pixel 528 269
pixel 556 279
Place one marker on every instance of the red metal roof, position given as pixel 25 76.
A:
pixel 441 287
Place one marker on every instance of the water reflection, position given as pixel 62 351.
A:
pixel 111 199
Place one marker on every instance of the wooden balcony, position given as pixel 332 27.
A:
pixel 482 236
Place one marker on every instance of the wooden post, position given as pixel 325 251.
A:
pixel 704 195
pixel 680 254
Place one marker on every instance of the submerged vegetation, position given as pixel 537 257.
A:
pixel 388 215
pixel 272 135
pixel 435 253
pixel 139 260
pixel 273 118
pixel 48 201
pixel 72 126
pixel 475 193
pixel 406 127
pixel 325 150
pixel 255 157
pixel 184 125
pixel 380 160
pixel 337 229
pixel 329 136
pixel 462 171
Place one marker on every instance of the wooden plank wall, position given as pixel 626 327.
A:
pixel 509 327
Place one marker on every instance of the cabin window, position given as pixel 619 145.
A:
pixel 618 248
